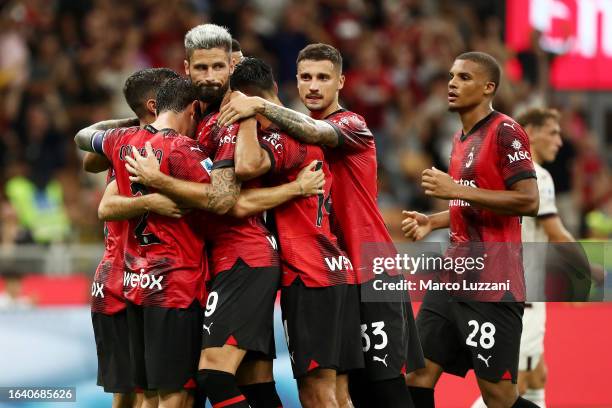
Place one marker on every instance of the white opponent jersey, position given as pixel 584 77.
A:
pixel 532 232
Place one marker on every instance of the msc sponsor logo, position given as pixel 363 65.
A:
pixel 338 263
pixel 518 156
pixel 274 140
pixel 225 139
pixel 142 280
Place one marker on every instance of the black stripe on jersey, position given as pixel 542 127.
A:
pixel 271 154
pixel 519 176
pixel 222 164
pixel 338 132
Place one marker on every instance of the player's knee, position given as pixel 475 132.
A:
pixel 499 397
pixel 221 358
pixel 123 400
pixel 318 389
pixel 422 378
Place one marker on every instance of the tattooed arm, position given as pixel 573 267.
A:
pixel 217 197
pixel 296 124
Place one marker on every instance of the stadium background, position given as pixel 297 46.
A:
pixel 62 67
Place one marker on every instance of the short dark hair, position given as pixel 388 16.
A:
pixel 486 61
pixel 235 45
pixel 252 76
pixel 321 52
pixel 176 95
pixel 537 116
pixel 143 85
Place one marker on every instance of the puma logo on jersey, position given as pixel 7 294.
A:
pixel 96 289
pixel 470 158
pixel 509 125
pixel 207 328
pixel 382 360
pixel 197 149
pixel 486 360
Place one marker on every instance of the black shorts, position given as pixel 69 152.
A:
pixel 485 336
pixel 322 327
pixel 164 345
pixel 240 309
pixel 389 335
pixel 113 349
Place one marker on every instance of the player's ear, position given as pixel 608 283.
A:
pixel 341 82
pixel 275 88
pixel 186 65
pixel 490 88
pixel 151 105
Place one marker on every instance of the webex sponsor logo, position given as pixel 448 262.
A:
pixel 142 280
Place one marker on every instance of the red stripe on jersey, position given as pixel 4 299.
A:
pixel 229 402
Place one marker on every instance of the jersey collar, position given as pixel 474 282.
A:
pixel 477 126
pixel 335 112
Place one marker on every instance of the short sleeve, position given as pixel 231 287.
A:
pixel 103 141
pixel 226 146
pixel 352 131
pixel 546 187
pixel 514 155
pixel 189 162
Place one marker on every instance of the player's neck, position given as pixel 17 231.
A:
pixel 536 158
pixel 264 122
pixel 473 116
pixel 322 114
pixel 169 120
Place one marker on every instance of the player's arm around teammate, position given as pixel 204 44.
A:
pixel 114 206
pixel 217 197
pixel 256 200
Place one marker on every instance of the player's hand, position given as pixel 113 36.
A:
pixel 239 107
pixel 415 225
pixel 439 184
pixel 310 181
pixel 162 205
pixel 143 170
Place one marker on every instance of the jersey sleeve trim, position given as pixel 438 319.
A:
pixel 222 164
pixel 97 142
pixel 338 132
pixel 546 215
pixel 519 176
pixel 270 154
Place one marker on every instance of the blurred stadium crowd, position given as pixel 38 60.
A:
pixel 63 64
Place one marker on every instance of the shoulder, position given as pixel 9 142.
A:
pixel 345 118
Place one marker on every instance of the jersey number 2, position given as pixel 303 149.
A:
pixel 139 231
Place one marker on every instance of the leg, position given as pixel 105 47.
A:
pixel 256 382
pixel 342 391
pixel 189 400
pixel 150 399
pixel 502 394
pixel 123 400
pixel 426 377
pixel 138 399
pixel 172 399
pixel 216 372
pixel 318 389
pixel 536 384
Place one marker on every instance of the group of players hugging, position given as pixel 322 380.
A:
pixel 218 196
